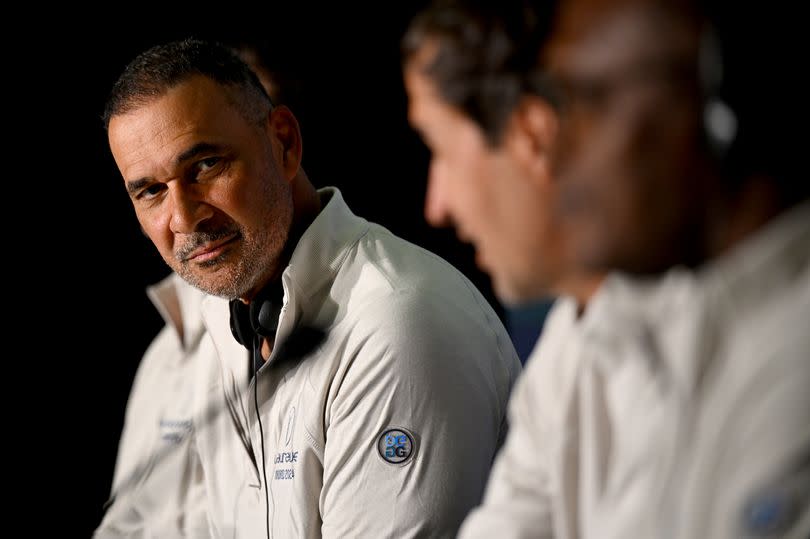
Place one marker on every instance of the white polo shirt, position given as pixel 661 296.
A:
pixel 675 408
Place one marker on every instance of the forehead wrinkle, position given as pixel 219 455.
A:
pixel 153 141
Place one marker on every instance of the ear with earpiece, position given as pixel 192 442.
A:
pixel 720 121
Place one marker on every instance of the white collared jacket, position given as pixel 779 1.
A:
pixel 675 408
pixel 386 428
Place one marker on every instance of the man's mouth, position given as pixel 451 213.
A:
pixel 210 250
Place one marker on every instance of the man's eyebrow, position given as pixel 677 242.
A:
pixel 194 151
pixel 200 148
pixel 136 185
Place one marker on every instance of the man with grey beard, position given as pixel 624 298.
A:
pixel 374 399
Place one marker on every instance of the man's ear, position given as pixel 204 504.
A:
pixel 532 135
pixel 284 127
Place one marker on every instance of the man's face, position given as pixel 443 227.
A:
pixel 487 193
pixel 630 163
pixel 206 185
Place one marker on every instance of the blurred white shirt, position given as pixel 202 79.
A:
pixel 675 408
pixel 157 485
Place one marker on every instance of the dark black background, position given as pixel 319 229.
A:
pixel 92 264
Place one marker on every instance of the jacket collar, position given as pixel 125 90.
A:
pixel 319 254
pixel 317 257
pixel 179 305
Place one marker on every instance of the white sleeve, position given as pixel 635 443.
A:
pixel 158 489
pixel 522 494
pixel 518 501
pixel 439 380
pixel 753 475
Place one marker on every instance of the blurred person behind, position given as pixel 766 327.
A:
pixel 678 164
pixel 488 115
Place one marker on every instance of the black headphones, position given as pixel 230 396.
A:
pixel 259 318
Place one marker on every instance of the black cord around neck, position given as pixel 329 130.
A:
pixel 257 351
pixel 251 324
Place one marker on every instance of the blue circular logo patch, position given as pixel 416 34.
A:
pixel 396 446
pixel 770 513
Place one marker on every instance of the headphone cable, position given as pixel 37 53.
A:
pixel 257 353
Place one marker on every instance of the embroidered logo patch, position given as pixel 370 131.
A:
pixel 396 445
pixel 769 514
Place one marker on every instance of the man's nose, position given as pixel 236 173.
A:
pixel 188 209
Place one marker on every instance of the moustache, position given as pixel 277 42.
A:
pixel 200 238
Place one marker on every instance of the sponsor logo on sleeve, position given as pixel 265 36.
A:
pixel 173 430
pixel 770 513
pixel 396 446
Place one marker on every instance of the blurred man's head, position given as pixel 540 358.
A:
pixel 669 122
pixel 481 105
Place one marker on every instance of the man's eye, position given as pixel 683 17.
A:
pixel 207 164
pixel 151 191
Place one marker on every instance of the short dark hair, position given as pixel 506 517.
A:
pixel 162 67
pixel 487 55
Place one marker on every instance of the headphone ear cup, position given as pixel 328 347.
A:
pixel 240 323
pixel 264 317
pixel 260 317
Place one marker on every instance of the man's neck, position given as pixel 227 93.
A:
pixel 582 287
pixel 306 207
